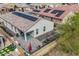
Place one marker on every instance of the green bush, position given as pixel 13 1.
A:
pixel 69 40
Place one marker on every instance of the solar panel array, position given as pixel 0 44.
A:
pixel 47 10
pixel 36 10
pixel 57 12
pixel 29 17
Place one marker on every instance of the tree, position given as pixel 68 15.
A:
pixel 15 7
pixel 69 39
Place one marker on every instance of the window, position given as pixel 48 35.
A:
pixel 44 28
pixel 36 31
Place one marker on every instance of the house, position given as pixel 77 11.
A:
pixel 4 8
pixel 45 5
pixel 58 14
pixel 22 7
pixel 39 6
pixel 27 28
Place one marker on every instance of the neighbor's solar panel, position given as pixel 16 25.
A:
pixel 57 12
pixel 47 10
pixel 31 18
pixel 36 10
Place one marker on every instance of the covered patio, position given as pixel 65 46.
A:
pixel 25 35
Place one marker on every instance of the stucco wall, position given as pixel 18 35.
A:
pixel 8 25
pixel 48 24
pixel 65 19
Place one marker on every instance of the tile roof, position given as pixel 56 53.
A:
pixel 66 8
pixel 19 22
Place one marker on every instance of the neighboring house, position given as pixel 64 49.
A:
pixel 27 28
pixel 4 8
pixel 37 7
pixel 23 7
pixel 45 5
pixel 58 14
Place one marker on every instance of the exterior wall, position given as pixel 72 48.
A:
pixel 48 18
pixel 54 4
pixel 11 27
pixel 67 16
pixel 48 24
pixel 24 8
pixel 28 9
pixel 56 21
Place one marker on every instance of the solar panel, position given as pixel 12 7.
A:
pixel 60 13
pixel 57 12
pixel 36 10
pixel 54 11
pixel 31 18
pixel 47 10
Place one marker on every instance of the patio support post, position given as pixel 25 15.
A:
pixel 25 37
pixel 2 43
